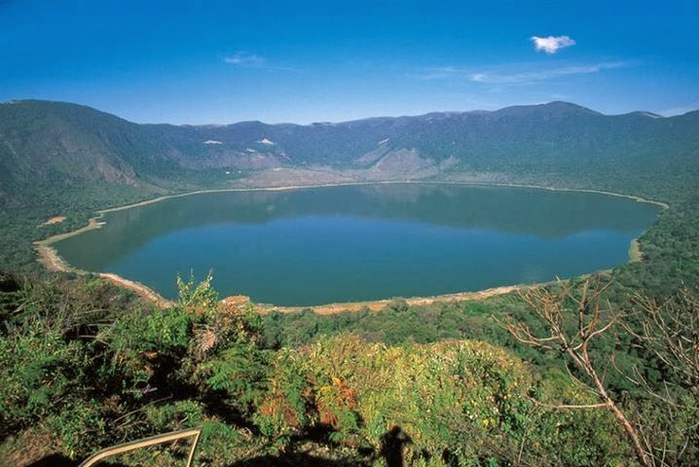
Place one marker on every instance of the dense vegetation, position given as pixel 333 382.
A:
pixel 86 364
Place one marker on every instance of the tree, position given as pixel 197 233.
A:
pixel 669 330
pixel 573 318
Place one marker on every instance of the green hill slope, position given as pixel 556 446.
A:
pixel 49 143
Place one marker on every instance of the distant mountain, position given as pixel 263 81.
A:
pixel 48 145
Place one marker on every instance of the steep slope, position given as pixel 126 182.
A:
pixel 49 147
pixel 45 141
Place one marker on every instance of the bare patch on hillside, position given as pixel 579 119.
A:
pixel 54 220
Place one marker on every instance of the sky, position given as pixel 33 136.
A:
pixel 302 61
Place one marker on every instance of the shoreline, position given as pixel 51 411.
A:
pixel 143 290
pixel 52 261
pixel 635 252
pixel 48 256
pixel 378 305
pixel 637 198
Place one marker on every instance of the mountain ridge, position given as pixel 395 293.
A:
pixel 556 104
pixel 49 146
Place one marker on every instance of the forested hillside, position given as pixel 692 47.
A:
pixel 87 364
pixel 56 143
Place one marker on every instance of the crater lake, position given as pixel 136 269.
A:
pixel 311 246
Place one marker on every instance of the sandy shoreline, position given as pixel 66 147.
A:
pixel 378 305
pixel 583 190
pixel 142 290
pixel 51 260
pixel 635 253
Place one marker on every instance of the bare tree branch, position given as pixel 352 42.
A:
pixel 574 339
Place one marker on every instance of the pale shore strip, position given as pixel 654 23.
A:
pixel 51 260
pixel 378 305
pixel 635 253
pixel 580 190
pixel 640 199
pixel 141 289
pixel 49 257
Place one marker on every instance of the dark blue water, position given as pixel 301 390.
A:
pixel 323 245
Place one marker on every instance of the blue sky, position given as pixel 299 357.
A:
pixel 304 61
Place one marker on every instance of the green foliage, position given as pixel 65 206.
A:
pixel 575 438
pixel 99 376
pixel 96 377
pixel 467 399
pixel 197 298
pixel 670 255
pixel 408 324
pixel 163 330
pixel 80 426
pixel 39 369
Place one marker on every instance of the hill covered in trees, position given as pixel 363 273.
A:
pixel 46 145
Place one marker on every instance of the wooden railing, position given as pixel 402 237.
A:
pixel 147 442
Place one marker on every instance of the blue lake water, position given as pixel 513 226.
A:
pixel 353 243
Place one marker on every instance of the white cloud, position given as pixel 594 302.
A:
pixel 427 74
pixel 526 77
pixel 244 59
pixel 551 44
pixel 514 74
pixel 248 60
